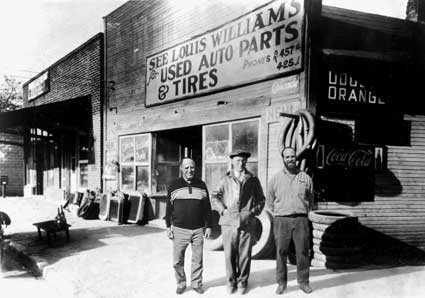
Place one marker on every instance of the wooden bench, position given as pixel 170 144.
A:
pixel 52 227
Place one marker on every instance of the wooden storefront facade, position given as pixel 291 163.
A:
pixel 200 80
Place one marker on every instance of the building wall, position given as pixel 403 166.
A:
pixel 12 163
pixel 399 206
pixel 139 29
pixel 79 74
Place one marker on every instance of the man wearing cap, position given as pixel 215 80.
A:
pixel 289 198
pixel 239 197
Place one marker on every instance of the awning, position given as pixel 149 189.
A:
pixel 71 114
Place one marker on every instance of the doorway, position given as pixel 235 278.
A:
pixel 169 148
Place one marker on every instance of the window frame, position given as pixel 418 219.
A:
pixel 134 164
pixel 230 141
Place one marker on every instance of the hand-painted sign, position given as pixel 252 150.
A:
pixel 263 44
pixel 39 86
pixel 342 87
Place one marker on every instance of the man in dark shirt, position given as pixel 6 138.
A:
pixel 188 212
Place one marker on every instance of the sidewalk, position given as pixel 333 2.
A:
pixel 106 260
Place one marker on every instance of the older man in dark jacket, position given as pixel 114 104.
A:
pixel 238 199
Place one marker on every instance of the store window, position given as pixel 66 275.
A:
pixel 83 160
pixel 220 139
pixel 135 162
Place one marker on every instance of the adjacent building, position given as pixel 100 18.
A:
pixel 61 124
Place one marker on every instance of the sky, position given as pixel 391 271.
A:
pixel 36 33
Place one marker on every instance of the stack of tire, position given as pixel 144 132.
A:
pixel 338 240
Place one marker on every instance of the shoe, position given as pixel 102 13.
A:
pixel 280 289
pixel 180 290
pixel 230 289
pixel 242 290
pixel 199 290
pixel 305 287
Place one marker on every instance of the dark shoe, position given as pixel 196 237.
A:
pixel 180 290
pixel 242 290
pixel 199 290
pixel 280 289
pixel 230 289
pixel 305 287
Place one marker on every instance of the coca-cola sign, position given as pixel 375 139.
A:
pixel 360 156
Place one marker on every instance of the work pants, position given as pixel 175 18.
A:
pixel 182 238
pixel 298 229
pixel 237 244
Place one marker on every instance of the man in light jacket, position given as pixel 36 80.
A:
pixel 238 199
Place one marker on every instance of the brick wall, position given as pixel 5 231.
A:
pixel 12 163
pixel 79 74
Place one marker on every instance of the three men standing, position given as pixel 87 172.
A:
pixel 238 199
pixel 290 198
pixel 188 211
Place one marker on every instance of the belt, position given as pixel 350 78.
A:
pixel 295 215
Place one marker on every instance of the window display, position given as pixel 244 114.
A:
pixel 221 139
pixel 135 162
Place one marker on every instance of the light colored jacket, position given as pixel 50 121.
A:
pixel 243 200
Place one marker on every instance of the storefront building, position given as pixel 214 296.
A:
pixel 204 79
pixel 198 80
pixel 61 124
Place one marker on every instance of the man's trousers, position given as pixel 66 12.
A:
pixel 237 244
pixel 298 229
pixel 182 238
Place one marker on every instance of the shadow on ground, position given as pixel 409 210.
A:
pixel 81 239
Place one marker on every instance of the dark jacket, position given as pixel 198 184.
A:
pixel 243 200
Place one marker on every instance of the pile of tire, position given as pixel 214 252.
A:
pixel 338 240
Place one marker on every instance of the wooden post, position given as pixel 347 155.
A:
pixel 312 61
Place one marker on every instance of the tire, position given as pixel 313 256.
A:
pixel 264 246
pixel 332 265
pixel 338 251
pixel 327 217
pixel 322 243
pixel 319 226
pixel 264 239
pixel 346 238
pixel 354 259
pixel 216 241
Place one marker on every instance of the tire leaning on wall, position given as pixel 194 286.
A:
pixel 264 239
pixel 264 245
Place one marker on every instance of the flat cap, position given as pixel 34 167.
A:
pixel 239 152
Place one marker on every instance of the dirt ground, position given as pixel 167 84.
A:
pixel 106 260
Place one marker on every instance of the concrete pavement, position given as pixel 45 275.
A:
pixel 106 260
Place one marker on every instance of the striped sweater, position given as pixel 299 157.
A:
pixel 188 205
